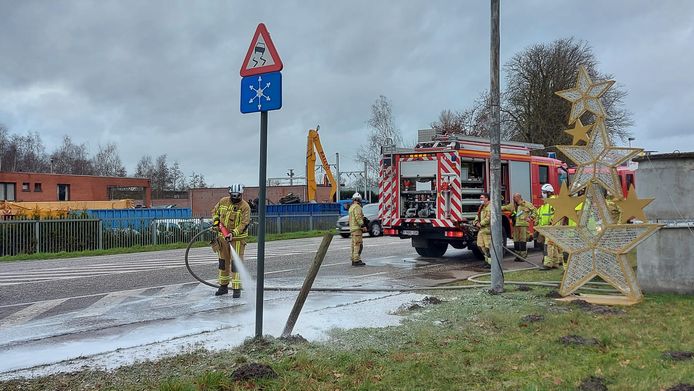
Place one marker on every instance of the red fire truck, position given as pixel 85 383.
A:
pixel 430 194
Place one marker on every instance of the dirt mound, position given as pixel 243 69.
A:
pixel 553 294
pixel 681 387
pixel 524 288
pixel 593 383
pixel 532 318
pixel 597 309
pixel 294 338
pixel 253 371
pixel 678 356
pixel 578 340
pixel 432 300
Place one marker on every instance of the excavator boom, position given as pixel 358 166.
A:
pixel 313 144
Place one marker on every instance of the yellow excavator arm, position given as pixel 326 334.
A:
pixel 312 146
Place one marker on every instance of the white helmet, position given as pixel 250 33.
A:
pixel 547 188
pixel 235 192
pixel 356 196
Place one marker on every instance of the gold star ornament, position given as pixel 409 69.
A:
pixel 586 95
pixel 564 205
pixel 598 160
pixel 579 132
pixel 598 249
pixel 632 207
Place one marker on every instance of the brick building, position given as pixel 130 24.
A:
pixel 39 187
pixel 203 200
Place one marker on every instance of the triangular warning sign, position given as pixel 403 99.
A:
pixel 262 56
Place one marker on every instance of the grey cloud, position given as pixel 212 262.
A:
pixel 162 77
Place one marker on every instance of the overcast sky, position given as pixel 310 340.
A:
pixel 162 77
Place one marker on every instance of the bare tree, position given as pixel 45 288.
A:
pixel 534 75
pixel 473 121
pixel 144 168
pixel 197 181
pixel 107 162
pixel 177 177
pixel 71 158
pixel 382 132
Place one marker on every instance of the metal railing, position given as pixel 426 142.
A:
pixel 69 235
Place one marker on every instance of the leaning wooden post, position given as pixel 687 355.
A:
pixel 308 283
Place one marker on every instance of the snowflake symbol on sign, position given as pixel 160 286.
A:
pixel 259 92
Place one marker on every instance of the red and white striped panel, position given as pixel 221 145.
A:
pixel 387 207
pixel 439 223
pixel 449 163
pixel 412 159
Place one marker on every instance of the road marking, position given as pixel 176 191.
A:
pixel 32 311
pixel 108 302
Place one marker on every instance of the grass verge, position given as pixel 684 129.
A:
pixel 518 340
pixel 160 247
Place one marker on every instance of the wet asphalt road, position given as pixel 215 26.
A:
pixel 109 310
pixel 58 286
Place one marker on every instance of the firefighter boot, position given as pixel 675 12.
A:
pixel 223 290
pixel 523 251
pixel 517 250
pixel 236 293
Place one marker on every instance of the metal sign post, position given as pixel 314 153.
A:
pixel 261 91
pixel 261 227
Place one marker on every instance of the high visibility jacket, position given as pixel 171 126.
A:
pixel 356 217
pixel 578 208
pixel 615 212
pixel 235 217
pixel 545 213
pixel 523 212
pixel 484 217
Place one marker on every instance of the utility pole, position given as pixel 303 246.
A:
pixel 498 241
pixel 290 174
pixel 337 176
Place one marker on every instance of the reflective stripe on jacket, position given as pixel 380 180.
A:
pixel 484 216
pixel 545 213
pixel 236 217
pixel 356 217
pixel 522 212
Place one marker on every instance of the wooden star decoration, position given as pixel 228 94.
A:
pixel 598 160
pixel 598 251
pixel 579 132
pixel 632 207
pixel 586 95
pixel 564 205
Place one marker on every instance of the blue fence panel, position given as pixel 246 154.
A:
pixel 137 219
pixel 302 209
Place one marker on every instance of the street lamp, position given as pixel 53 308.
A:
pixel 630 139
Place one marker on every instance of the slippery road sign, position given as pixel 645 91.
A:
pixel 262 56
pixel 261 92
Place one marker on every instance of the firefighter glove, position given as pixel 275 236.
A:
pixel 215 221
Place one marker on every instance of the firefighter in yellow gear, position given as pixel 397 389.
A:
pixel 552 256
pixel 522 212
pixel 235 214
pixel 356 228
pixel 483 222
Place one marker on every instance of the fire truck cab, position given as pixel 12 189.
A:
pixel 430 194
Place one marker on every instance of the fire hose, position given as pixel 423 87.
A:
pixel 473 279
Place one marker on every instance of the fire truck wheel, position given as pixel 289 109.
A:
pixel 433 249
pixel 344 235
pixel 375 230
pixel 476 252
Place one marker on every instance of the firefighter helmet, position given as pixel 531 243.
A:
pixel 235 192
pixel 548 188
pixel 356 196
